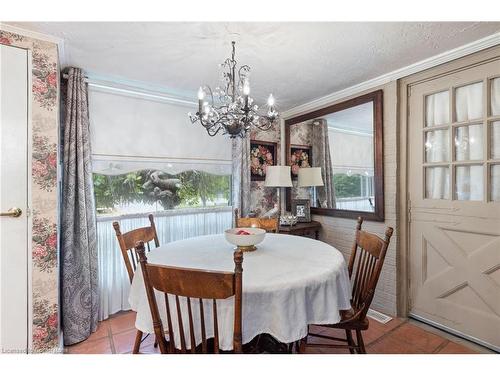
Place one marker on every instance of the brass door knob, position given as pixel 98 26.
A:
pixel 13 212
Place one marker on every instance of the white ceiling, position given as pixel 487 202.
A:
pixel 298 62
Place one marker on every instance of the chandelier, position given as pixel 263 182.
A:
pixel 229 108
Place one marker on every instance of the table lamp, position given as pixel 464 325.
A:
pixel 279 177
pixel 310 177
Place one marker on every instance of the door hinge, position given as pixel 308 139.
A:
pixel 409 211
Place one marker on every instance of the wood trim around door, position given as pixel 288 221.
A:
pixel 404 88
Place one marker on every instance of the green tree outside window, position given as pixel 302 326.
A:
pixel 187 189
pixel 347 186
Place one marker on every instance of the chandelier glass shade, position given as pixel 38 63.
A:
pixel 229 108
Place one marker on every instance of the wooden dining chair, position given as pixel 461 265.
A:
pixel 269 224
pixel 365 265
pixel 128 240
pixel 193 284
pixel 127 243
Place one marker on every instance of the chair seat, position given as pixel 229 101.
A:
pixel 346 314
pixel 344 323
pixel 361 325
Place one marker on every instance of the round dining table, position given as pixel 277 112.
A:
pixel 288 283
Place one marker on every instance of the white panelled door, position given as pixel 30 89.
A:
pixel 14 222
pixel 454 193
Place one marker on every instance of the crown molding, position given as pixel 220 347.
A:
pixel 30 33
pixel 154 91
pixel 40 36
pixel 467 49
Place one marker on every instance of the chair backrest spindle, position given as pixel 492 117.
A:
pixel 192 284
pixel 181 326
pixel 365 264
pixel 216 329
pixel 157 324
pixel 191 327
pixel 169 323
pixel 202 323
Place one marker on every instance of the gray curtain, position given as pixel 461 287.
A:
pixel 79 278
pixel 241 174
pixel 321 158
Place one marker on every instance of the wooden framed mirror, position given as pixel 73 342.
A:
pixel 344 144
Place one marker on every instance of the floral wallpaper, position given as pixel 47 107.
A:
pixel 300 134
pixel 263 199
pixel 44 163
pixel 44 114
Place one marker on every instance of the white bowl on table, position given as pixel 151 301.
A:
pixel 245 242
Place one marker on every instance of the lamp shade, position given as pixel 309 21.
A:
pixel 310 177
pixel 278 176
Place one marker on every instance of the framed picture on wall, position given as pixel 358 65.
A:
pixel 262 155
pixel 300 157
pixel 302 209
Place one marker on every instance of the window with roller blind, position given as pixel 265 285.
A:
pixel 148 157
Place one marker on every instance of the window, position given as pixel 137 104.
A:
pixel 148 157
pixel 461 163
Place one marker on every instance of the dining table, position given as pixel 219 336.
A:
pixel 289 282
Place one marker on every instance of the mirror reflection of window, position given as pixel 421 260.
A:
pixel 349 145
pixel 350 134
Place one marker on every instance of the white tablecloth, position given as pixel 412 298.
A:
pixel 288 283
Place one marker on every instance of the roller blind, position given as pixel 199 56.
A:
pixel 344 159
pixel 130 133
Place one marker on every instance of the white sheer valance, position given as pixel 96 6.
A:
pixel 131 133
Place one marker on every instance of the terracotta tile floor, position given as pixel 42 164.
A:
pixel 117 334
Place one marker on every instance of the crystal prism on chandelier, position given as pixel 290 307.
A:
pixel 230 108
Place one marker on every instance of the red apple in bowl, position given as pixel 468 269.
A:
pixel 245 237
